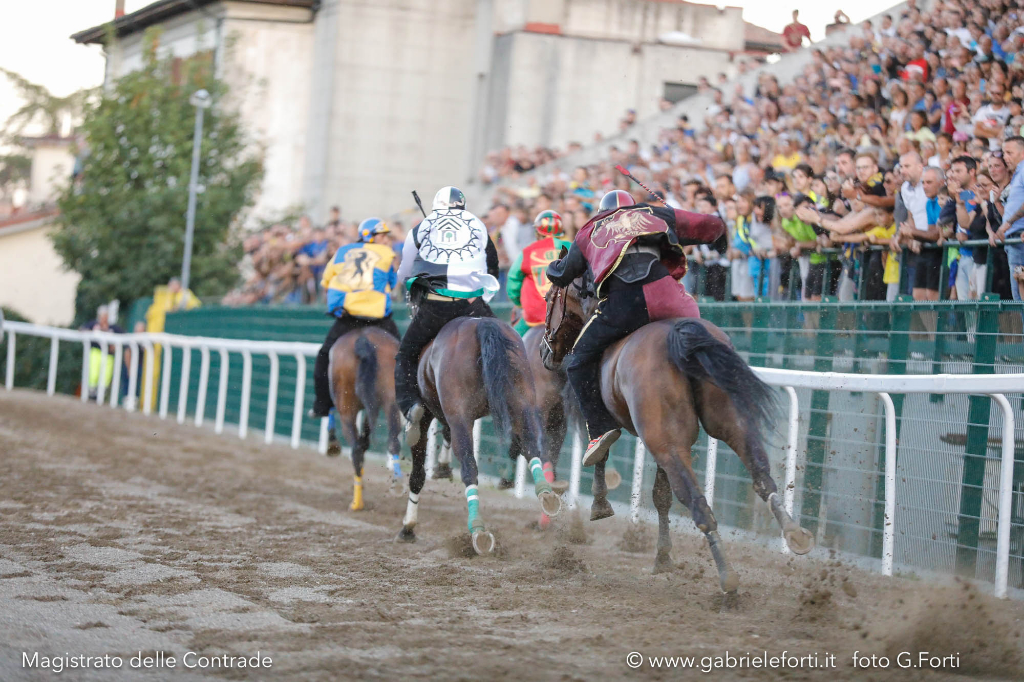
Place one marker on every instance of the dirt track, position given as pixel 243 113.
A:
pixel 121 533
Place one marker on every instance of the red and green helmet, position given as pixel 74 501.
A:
pixel 548 224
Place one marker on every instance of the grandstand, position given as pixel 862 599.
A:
pixel 957 63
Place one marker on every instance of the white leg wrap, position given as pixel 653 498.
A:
pixel 411 510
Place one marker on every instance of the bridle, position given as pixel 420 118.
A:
pixel 558 297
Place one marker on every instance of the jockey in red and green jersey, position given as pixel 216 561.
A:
pixel 527 278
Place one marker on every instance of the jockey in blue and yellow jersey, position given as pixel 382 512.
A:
pixel 359 280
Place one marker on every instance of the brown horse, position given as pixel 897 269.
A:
pixel 557 404
pixel 661 383
pixel 475 367
pixel 362 378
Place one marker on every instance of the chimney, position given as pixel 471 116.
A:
pixel 118 9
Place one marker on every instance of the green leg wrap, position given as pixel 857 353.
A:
pixel 473 506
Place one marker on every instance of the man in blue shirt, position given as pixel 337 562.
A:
pixel 1013 211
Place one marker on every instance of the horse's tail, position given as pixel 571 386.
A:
pixel 366 379
pixel 496 351
pixel 701 356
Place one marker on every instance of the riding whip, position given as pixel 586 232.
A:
pixel 629 175
pixel 419 203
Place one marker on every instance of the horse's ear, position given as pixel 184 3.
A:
pixel 563 252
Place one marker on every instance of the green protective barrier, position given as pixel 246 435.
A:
pixel 947 458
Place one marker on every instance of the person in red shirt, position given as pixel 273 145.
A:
pixel 793 35
pixel 957 106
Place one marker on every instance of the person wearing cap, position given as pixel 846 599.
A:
pixel 358 280
pixel 527 279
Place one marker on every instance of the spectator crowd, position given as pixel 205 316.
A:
pixel 863 177
pixel 283 264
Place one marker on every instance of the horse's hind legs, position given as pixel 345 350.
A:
pixel 684 484
pixel 416 480
pixel 725 423
pixel 662 495
pixel 462 447
pixel 360 442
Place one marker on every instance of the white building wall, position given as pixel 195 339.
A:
pixel 268 67
pixel 33 281
pixel 51 172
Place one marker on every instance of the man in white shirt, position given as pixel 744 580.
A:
pixel 912 191
pixel 990 120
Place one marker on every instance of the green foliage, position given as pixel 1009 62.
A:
pixel 42 106
pixel 33 360
pixel 15 170
pixel 122 224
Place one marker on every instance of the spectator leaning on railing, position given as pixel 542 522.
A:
pixel 1013 212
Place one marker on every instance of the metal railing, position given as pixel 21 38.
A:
pixel 792 287
pixel 995 386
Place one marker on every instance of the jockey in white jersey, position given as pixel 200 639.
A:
pixel 450 267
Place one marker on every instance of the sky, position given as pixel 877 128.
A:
pixel 40 49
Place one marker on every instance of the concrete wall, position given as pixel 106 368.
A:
pixel 554 89
pixel 32 279
pixel 399 101
pixel 51 171
pixel 645 21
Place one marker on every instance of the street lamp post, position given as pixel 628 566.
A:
pixel 201 100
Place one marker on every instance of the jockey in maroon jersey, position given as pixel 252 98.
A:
pixel 635 253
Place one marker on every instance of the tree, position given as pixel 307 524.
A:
pixel 43 107
pixel 122 222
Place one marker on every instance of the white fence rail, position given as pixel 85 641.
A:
pixel 992 385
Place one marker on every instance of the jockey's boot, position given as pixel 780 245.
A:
pixel 597 449
pixel 413 424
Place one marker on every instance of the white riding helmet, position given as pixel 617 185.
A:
pixel 449 197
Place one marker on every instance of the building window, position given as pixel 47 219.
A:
pixel 675 92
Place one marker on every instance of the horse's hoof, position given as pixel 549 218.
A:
pixel 730 581
pixel 356 507
pixel 800 540
pixel 559 486
pixel 483 542
pixel 663 563
pixel 333 449
pixel 506 483
pixel 612 479
pixel 550 502
pixel 406 535
pixel 442 471
pixel 601 509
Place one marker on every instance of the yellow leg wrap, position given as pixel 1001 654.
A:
pixel 357 494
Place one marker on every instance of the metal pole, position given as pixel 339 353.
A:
pixel 190 215
pixel 1005 499
pixel 889 523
